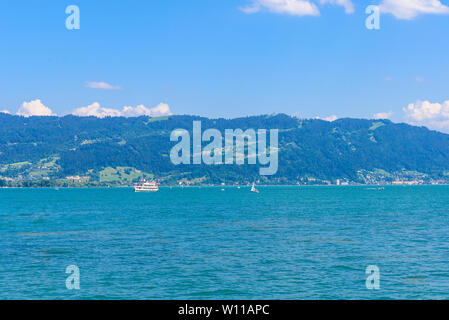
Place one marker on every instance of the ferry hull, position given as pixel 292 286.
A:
pixel 140 190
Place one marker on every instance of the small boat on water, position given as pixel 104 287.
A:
pixel 146 186
pixel 253 188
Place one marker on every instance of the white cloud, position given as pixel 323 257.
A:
pixel 295 7
pixel 291 7
pixel 401 9
pixel 409 9
pixel 347 4
pixel 97 111
pixel 432 115
pixel 160 110
pixel 5 111
pixel 102 85
pixel 383 115
pixel 330 118
pixel 250 9
pixel 425 110
pixel 34 108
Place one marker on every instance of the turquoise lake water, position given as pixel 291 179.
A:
pixel 205 243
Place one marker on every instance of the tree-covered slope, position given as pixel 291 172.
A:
pixel 55 147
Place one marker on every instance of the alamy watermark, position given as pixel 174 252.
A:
pixel 73 280
pixel 73 20
pixel 373 20
pixel 212 154
pixel 373 279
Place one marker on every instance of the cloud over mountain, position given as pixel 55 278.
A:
pixel 160 110
pixel 96 110
pixel 34 108
pixel 383 115
pixel 329 118
pixel 433 115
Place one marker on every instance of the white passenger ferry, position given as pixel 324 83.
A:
pixel 146 186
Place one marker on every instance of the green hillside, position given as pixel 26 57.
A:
pixel 122 150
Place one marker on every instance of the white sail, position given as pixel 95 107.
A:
pixel 253 188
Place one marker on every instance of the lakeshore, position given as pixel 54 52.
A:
pixel 224 185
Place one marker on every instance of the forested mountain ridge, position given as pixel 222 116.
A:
pixel 120 150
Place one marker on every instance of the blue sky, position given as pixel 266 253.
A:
pixel 228 58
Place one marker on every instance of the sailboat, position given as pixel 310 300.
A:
pixel 253 188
